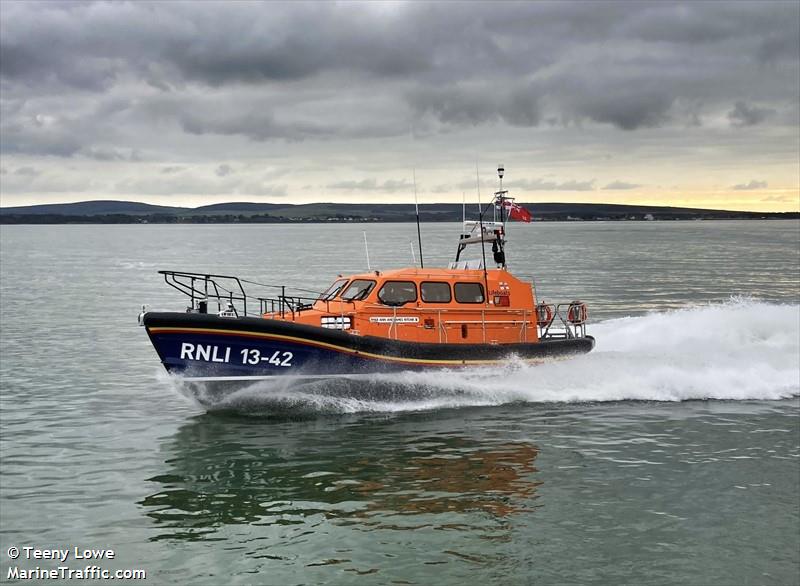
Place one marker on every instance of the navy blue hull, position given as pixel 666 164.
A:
pixel 207 346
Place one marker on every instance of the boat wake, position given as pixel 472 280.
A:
pixel 740 350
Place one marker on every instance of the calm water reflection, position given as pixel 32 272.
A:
pixel 225 470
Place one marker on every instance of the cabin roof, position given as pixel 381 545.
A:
pixel 435 273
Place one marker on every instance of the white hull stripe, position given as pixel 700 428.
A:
pixel 273 377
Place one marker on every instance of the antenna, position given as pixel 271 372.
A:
pixel 413 256
pixel 419 234
pixel 366 248
pixel 483 242
pixel 464 207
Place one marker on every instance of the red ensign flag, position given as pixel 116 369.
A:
pixel 516 212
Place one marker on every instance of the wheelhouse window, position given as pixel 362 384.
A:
pixel 469 292
pixel 358 290
pixel 397 292
pixel 333 290
pixel 433 292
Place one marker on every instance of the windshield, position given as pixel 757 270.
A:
pixel 333 290
pixel 358 290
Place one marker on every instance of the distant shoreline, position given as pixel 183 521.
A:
pixel 122 212
pixel 101 220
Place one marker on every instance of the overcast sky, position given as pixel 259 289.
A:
pixel 193 103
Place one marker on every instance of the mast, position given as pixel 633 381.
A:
pixel 486 230
pixel 500 172
pixel 498 246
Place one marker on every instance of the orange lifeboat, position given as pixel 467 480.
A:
pixel 465 314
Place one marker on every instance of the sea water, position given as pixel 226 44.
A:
pixel 669 455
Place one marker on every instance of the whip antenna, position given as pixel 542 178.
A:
pixel 419 233
pixel 366 249
pixel 483 241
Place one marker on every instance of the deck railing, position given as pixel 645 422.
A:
pixel 229 294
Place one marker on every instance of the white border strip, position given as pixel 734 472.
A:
pixel 198 379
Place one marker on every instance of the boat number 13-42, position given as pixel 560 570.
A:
pixel 253 356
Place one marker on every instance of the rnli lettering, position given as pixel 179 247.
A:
pixel 204 352
pixel 253 356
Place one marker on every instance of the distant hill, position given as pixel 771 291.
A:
pixel 127 212
pixel 236 208
pixel 92 208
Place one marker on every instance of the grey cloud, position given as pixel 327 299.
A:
pixel 27 171
pixel 258 124
pixel 442 189
pixel 628 112
pixel 390 185
pixel 473 105
pixel 224 170
pixel 255 125
pixel 621 185
pixel 198 43
pixel 550 185
pixel 195 184
pixel 30 135
pixel 754 184
pixel 744 115
pixel 781 43
pixel 781 199
pixel 99 153
pixel 625 103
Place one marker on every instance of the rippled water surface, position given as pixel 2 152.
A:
pixel 670 455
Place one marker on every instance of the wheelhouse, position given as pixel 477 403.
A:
pixel 436 305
